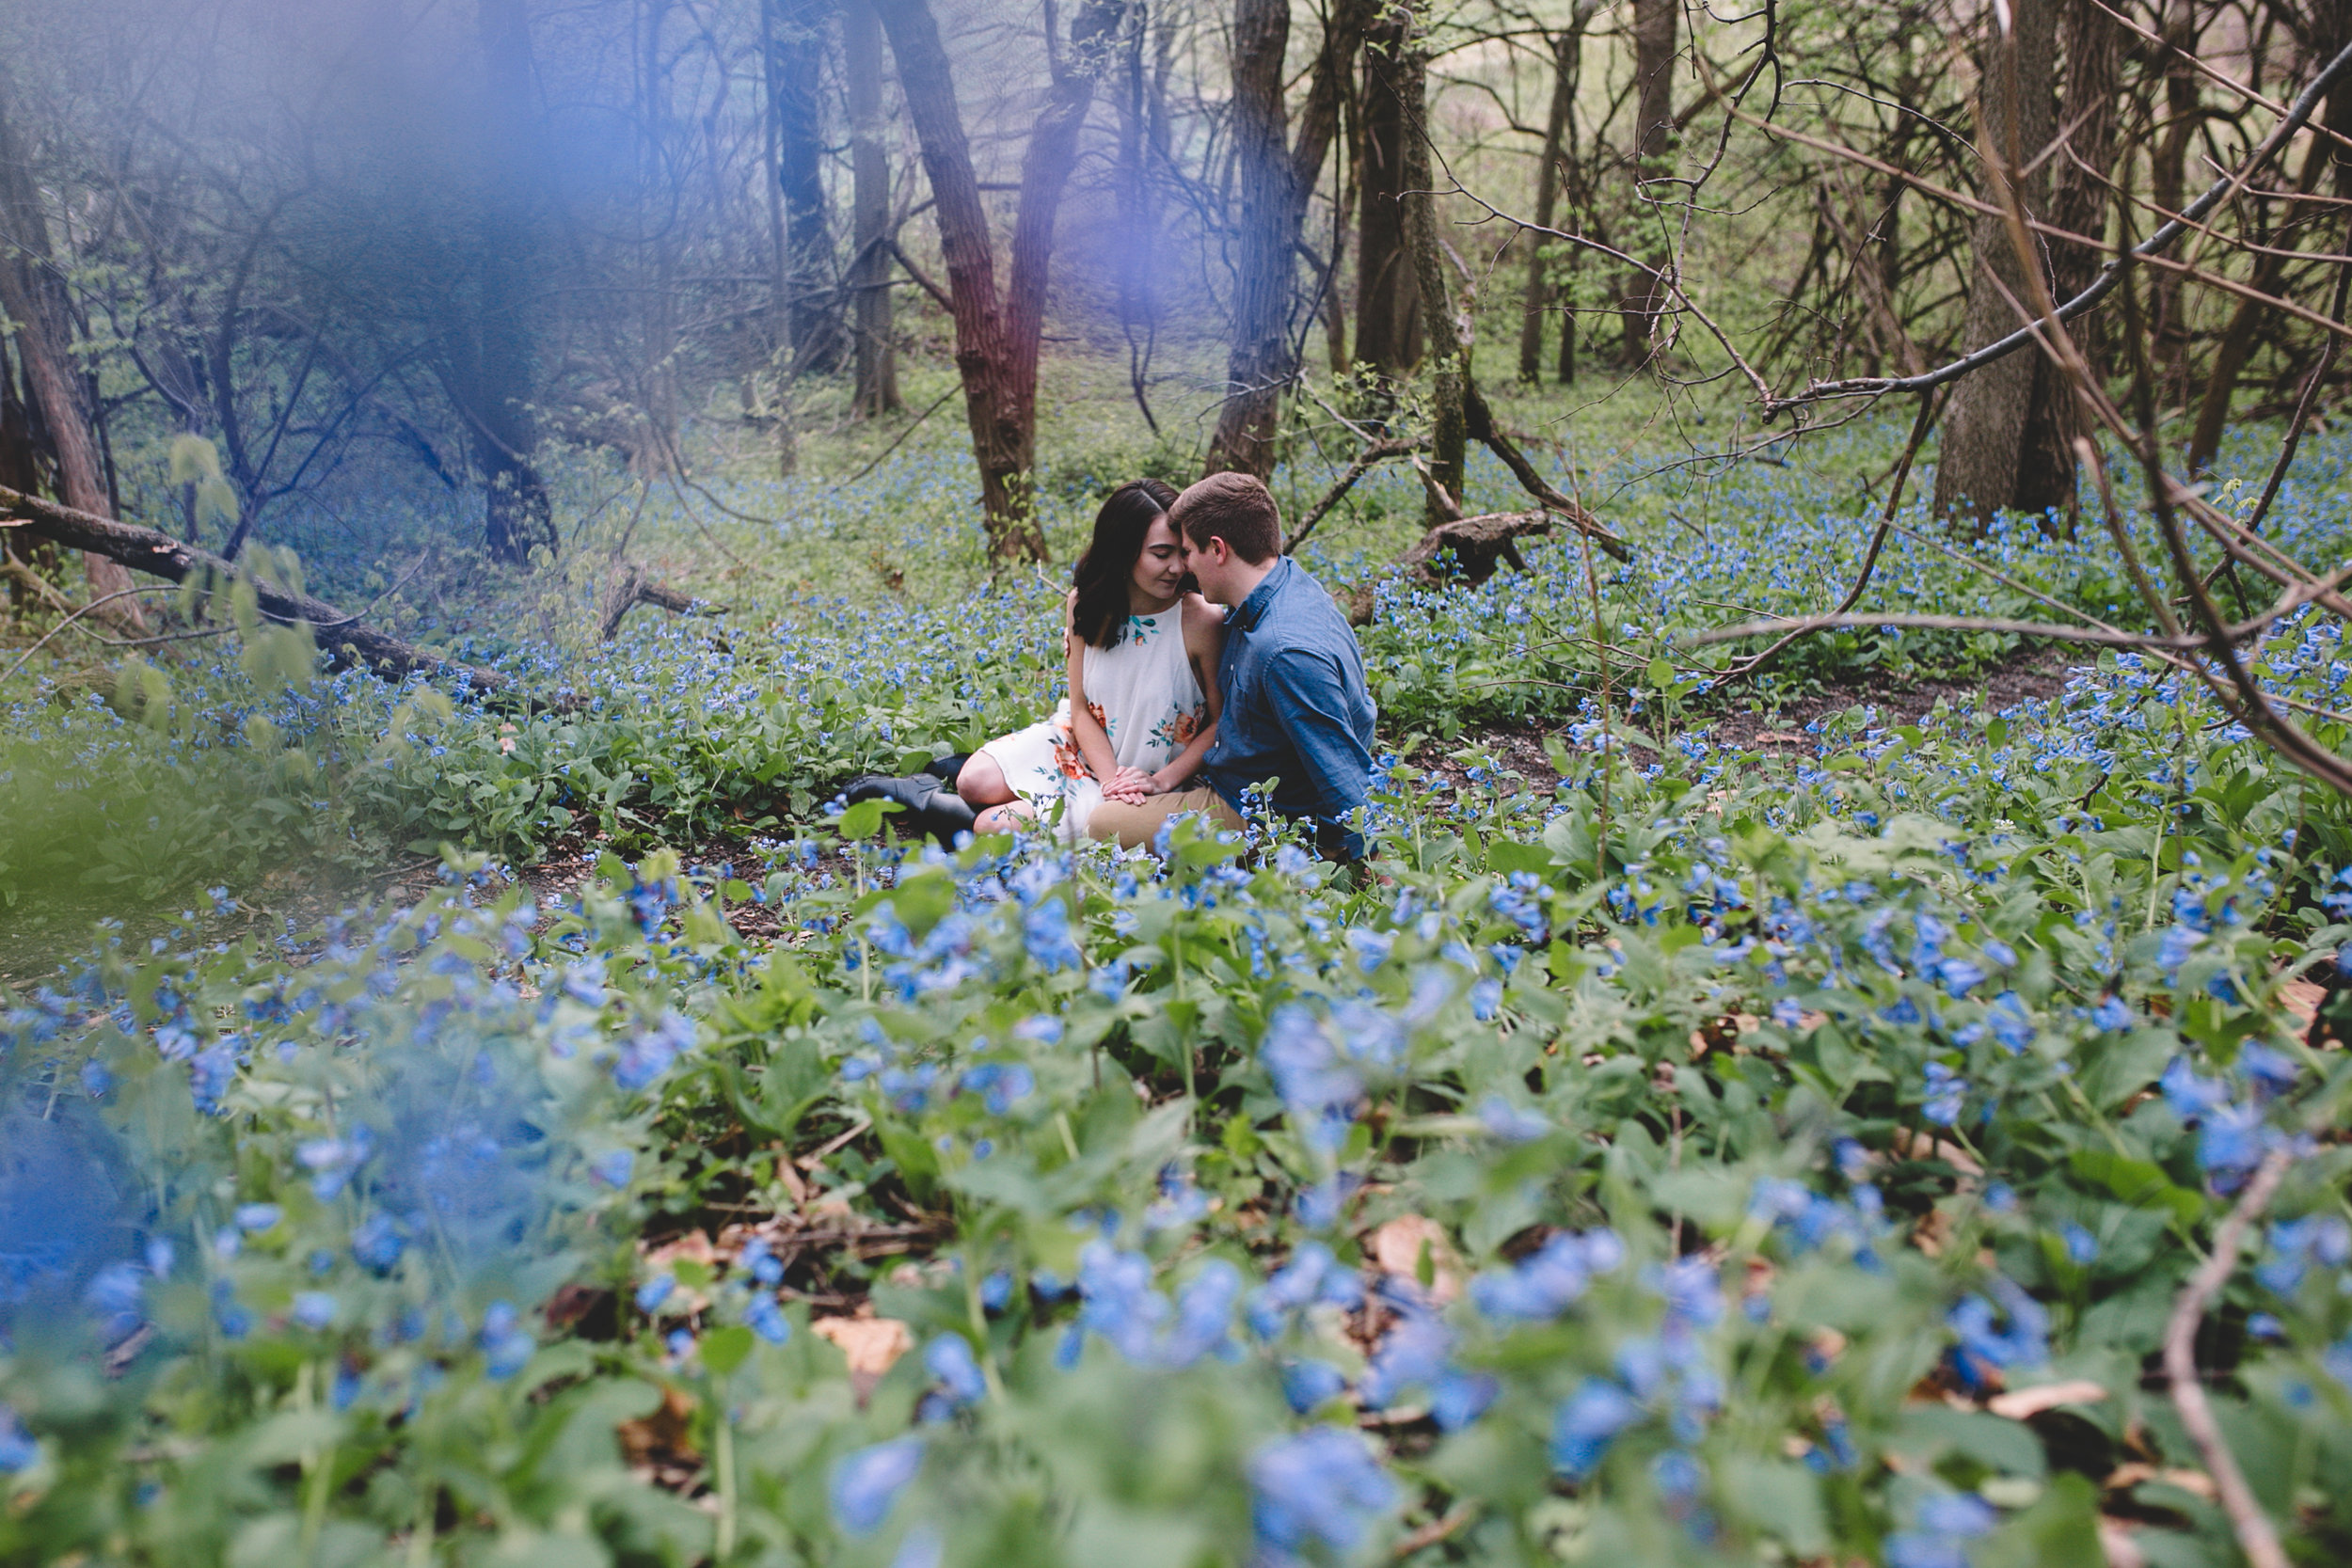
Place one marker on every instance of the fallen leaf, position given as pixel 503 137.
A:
pixel 663 1433
pixel 1396 1248
pixel 870 1343
pixel 2020 1403
pixel 1913 1144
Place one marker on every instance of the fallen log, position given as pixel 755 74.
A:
pixel 345 638
pixel 633 587
pixel 1476 547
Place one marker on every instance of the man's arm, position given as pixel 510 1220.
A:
pixel 1309 701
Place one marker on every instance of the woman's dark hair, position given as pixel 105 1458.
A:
pixel 1100 616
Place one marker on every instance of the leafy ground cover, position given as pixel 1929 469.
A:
pixel 1688 1147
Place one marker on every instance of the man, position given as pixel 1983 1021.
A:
pixel 1296 714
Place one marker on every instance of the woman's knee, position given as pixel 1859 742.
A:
pixel 981 783
pixel 1004 819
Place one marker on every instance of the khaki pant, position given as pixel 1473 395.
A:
pixel 1135 825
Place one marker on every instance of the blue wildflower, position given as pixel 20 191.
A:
pixel 1587 1422
pixel 1322 1485
pixel 866 1484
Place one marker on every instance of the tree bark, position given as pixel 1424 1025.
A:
pixel 492 370
pixel 1448 333
pixel 996 338
pixel 876 387
pixel 1653 26
pixel 1568 51
pixel 2238 340
pixel 1387 311
pixel 1995 412
pixel 1276 179
pixel 34 299
pixel 1256 364
pixel 796 58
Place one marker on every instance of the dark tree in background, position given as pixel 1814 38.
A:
pixel 876 357
pixel 796 59
pixel 1388 309
pixel 2003 439
pixel 1655 60
pixel 41 313
pixel 1276 176
pixel 488 353
pixel 997 332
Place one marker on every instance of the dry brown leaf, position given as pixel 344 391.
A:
pixel 2302 1000
pixel 1396 1248
pixel 870 1343
pixel 2021 1404
pixel 1913 1144
pixel 663 1433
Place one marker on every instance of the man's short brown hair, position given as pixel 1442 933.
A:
pixel 1236 508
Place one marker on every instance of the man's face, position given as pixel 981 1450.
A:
pixel 1207 565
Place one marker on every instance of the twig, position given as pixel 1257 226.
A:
pixel 1377 451
pixel 2255 1535
pixel 51 635
pixel 909 430
pixel 1436 1530
pixel 1871 558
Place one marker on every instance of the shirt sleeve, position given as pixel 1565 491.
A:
pixel 1306 697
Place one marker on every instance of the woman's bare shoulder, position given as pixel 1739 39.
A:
pixel 1200 615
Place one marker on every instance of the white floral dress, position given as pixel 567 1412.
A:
pixel 1142 690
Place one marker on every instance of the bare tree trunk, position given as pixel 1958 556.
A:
pixel 1567 52
pixel 876 391
pixel 2238 340
pixel 2167 177
pixel 495 373
pixel 796 58
pixel 1449 333
pixel 1256 363
pixel 1653 26
pixel 1139 237
pixel 1992 421
pixel 1388 314
pixel 996 339
pixel 1275 183
pixel 33 297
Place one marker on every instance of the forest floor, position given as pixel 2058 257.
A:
pixel 296 898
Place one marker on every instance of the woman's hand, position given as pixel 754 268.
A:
pixel 1129 784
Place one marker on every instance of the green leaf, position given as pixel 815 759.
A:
pixel 723 1348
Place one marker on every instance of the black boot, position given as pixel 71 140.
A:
pixel 930 807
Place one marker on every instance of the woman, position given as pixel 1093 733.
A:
pixel 1142 707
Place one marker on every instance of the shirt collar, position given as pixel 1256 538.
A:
pixel 1252 609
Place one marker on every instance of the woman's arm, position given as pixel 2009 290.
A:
pixel 1084 730
pixel 1204 639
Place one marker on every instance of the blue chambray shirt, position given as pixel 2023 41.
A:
pixel 1296 709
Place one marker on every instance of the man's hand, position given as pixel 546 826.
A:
pixel 1167 782
pixel 1128 786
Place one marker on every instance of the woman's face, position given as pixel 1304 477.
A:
pixel 1160 567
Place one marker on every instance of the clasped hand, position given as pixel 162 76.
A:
pixel 1131 785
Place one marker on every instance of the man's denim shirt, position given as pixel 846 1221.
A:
pixel 1296 708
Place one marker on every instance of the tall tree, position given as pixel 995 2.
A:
pixel 1655 23
pixel 876 357
pixel 796 61
pixel 1276 177
pixel 1567 54
pixel 1388 311
pixel 489 355
pixel 997 333
pixel 34 300
pixel 1998 452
